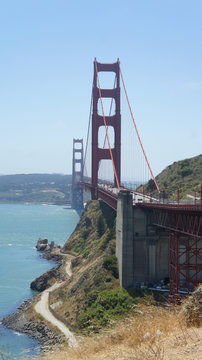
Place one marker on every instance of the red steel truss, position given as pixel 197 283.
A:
pixel 184 223
pixel 183 219
pixel 185 263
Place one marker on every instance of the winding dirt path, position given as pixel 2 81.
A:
pixel 43 309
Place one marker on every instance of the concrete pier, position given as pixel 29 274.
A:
pixel 124 237
pixel 142 250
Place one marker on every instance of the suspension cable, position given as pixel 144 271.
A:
pixel 137 129
pixel 110 150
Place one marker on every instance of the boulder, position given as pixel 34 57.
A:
pixel 41 244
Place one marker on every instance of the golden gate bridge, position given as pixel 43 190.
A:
pixel 183 222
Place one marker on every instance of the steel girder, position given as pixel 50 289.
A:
pixel 184 224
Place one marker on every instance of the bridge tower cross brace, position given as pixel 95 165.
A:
pixel 77 174
pixel 99 154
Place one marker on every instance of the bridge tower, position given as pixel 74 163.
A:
pixel 99 154
pixel 77 174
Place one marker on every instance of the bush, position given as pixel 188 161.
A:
pixel 101 225
pixel 109 235
pixel 151 185
pixel 185 171
pixel 111 299
pixel 184 163
pixel 79 245
pixel 110 263
pixel 103 307
pixel 192 308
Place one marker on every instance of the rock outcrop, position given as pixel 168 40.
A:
pixel 44 245
pixel 47 279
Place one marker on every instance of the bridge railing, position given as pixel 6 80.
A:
pixel 144 198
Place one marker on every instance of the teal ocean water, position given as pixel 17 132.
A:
pixel 20 227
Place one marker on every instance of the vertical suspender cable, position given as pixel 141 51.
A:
pixel 137 130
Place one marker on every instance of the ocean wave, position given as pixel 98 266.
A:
pixel 10 244
pixel 17 333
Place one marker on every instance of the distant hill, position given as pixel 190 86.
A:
pixel 185 174
pixel 35 188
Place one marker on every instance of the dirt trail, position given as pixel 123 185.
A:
pixel 43 309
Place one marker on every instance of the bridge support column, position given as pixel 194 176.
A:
pixel 124 238
pixel 113 121
pixel 77 174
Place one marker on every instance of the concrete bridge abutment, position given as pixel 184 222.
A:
pixel 141 249
pixel 124 237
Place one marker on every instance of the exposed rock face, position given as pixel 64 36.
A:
pixel 44 245
pixel 48 278
pixel 41 244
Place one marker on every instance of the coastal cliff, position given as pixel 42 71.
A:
pixel 90 299
pixel 91 248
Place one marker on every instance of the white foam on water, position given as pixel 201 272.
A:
pixel 17 333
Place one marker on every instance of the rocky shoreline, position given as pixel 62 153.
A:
pixel 35 327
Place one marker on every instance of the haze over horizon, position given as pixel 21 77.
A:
pixel 46 55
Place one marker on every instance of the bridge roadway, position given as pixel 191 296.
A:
pixel 109 194
pixel 184 218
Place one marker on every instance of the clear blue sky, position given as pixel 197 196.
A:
pixel 47 48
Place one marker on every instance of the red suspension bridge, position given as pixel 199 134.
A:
pixel 183 222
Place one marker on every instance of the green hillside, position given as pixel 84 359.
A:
pixel 35 188
pixel 185 175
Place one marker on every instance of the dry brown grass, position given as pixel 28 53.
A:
pixel 192 308
pixel 155 334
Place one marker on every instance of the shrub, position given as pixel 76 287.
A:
pixel 185 171
pixel 184 163
pixel 88 221
pixel 109 235
pixel 79 245
pixel 101 225
pixel 85 234
pixel 103 307
pixel 92 297
pixel 85 253
pixel 110 263
pixel 113 299
pixel 192 308
pixel 151 185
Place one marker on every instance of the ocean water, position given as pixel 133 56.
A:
pixel 20 227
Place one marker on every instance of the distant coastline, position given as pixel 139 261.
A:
pixel 50 189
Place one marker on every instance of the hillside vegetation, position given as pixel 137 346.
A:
pixel 35 188
pixel 92 298
pixel 123 324
pixel 185 175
